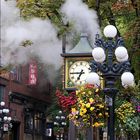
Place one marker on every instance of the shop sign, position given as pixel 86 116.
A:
pixel 32 73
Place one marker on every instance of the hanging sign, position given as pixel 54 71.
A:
pixel 5 127
pixel 32 73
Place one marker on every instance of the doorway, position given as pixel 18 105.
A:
pixel 15 133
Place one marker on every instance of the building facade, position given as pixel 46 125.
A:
pixel 27 103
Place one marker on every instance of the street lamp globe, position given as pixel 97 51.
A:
pixel 5 118
pixel 9 119
pixel 63 123
pixel 55 123
pixel 6 110
pixel 60 112
pixel 60 123
pixel 127 79
pixel 57 117
pixel 123 59
pixel 98 54
pixel 62 117
pixel 93 78
pixel 2 103
pixel 121 54
pixel 110 31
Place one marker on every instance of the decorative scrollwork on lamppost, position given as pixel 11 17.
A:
pixel 111 69
pixel 5 120
pixel 60 122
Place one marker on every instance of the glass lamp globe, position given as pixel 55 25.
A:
pixel 6 110
pixel 121 53
pixel 62 123
pixel 127 79
pixel 55 123
pixel 5 118
pixel 57 117
pixel 93 78
pixel 100 60
pixel 98 54
pixel 123 59
pixel 110 31
pixel 60 112
pixel 62 117
pixel 9 119
pixel 2 103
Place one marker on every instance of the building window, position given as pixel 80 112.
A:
pixel 16 73
pixel 28 125
pixel 32 121
pixel 2 91
pixel 38 122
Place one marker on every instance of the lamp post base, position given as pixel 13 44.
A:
pixel 1 135
pixel 111 94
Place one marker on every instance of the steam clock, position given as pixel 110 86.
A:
pixel 76 69
pixel 76 63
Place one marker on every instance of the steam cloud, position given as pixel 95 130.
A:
pixel 83 18
pixel 42 33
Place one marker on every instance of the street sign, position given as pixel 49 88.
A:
pixel 108 100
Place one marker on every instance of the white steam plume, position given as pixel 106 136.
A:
pixel 42 33
pixel 83 18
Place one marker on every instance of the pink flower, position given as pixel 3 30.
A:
pixel 138 108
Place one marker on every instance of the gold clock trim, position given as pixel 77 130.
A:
pixel 78 71
pixel 67 66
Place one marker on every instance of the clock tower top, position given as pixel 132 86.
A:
pixel 76 63
pixel 82 49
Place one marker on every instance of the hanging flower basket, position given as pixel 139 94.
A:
pixel 86 107
pixel 90 108
pixel 127 118
pixel 66 100
pixel 128 110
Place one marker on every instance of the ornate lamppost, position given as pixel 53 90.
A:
pixel 60 122
pixel 4 120
pixel 110 69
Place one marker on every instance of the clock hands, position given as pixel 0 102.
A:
pixel 75 73
pixel 80 73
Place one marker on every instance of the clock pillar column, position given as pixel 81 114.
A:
pixel 81 52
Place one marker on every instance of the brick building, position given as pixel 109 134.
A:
pixel 27 103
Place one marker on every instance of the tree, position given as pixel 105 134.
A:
pixel 44 9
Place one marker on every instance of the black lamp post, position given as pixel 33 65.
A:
pixel 4 119
pixel 110 69
pixel 60 122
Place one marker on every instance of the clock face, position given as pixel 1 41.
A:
pixel 78 72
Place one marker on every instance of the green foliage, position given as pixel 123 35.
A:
pixel 44 9
pixel 5 69
pixel 127 117
pixel 39 8
pixel 132 124
pixel 132 37
pixel 26 43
